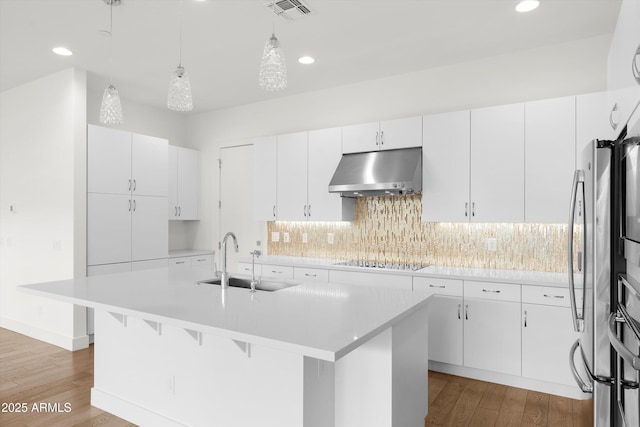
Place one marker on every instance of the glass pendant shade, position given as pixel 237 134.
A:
pixel 111 109
pixel 179 97
pixel 273 68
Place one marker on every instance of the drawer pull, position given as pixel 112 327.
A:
pixel 276 272
pixel 179 262
pixel 459 307
pixel 310 275
pixel 201 260
pixel 438 286
pixel 491 291
pixel 554 296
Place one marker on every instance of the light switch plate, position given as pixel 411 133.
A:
pixel 285 236
pixel 275 236
pixel 330 238
pixel 492 244
pixel 305 238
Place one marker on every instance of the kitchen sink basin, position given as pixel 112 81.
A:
pixel 263 285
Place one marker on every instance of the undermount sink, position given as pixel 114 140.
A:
pixel 263 285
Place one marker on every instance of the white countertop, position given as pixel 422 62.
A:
pixel 320 320
pixel 523 277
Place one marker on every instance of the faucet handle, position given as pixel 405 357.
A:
pixel 256 253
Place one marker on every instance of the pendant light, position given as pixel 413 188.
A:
pixel 273 67
pixel 179 97
pixel 111 108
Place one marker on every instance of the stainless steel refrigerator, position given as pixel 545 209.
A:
pixel 597 268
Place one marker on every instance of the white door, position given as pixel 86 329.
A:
pixel 445 329
pixel 547 333
pixel 236 203
pixel 149 228
pixel 401 133
pixel 497 164
pixel 265 178
pixel 361 138
pixel 173 182
pixel 292 177
pixel 445 167
pixel 550 145
pixel 324 155
pixel 108 160
pixel 149 169
pixel 109 228
pixel 492 336
pixel 188 183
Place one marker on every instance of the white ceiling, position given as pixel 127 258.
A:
pixel 352 41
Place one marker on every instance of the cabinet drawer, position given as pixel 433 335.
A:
pixel 280 271
pixel 492 291
pixel 438 286
pixel 245 268
pixel 202 260
pixel 180 263
pixel 311 274
pixel 547 295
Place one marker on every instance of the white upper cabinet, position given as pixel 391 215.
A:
pixel 109 161
pixel 126 163
pixel 292 177
pixel 497 164
pixel 550 144
pixel 385 135
pixel 324 154
pixel 445 167
pixel 623 66
pixel 184 183
pixel 265 178
pixel 150 156
pixel 592 121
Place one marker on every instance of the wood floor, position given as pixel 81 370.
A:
pixel 34 372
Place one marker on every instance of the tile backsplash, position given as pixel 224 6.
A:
pixel 389 229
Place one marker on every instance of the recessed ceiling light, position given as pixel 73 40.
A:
pixel 527 5
pixel 62 51
pixel 306 60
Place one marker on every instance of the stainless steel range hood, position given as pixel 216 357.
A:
pixel 378 173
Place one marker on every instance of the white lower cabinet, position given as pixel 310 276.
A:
pixel 311 274
pixel 277 271
pixel 393 281
pixel 547 334
pixel 245 268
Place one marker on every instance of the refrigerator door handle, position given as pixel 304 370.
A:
pixel 578 183
pixel 632 359
pixel 584 386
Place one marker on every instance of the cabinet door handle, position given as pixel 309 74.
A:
pixel 466 312
pixel 473 209
pixel 175 208
pixel 377 138
pixel 134 185
pixel 382 138
pixel 438 286
pixel 310 275
pixel 525 318
pixel 491 291
pixel 459 308
pixel 634 65
pixel 276 272
pixel 613 124
pixel 274 211
pixel 179 210
pixel 305 210
pixel 129 185
pixel 309 210
pixel 554 296
pixel 179 262
pixel 134 205
pixel 129 205
pixel 466 209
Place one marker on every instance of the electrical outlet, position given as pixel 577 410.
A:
pixel 258 243
pixel 330 238
pixel 285 236
pixel 13 208
pixel 492 244
pixel 275 236
pixel 305 238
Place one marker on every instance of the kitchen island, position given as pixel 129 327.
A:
pixel 170 352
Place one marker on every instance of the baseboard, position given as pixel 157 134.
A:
pixel 572 392
pixel 129 411
pixel 63 341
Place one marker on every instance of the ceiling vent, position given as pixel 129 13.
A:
pixel 289 10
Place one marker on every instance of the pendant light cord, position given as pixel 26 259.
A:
pixel 111 42
pixel 180 36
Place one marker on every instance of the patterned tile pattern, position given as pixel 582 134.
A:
pixel 389 229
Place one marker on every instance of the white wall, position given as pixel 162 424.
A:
pixel 158 122
pixel 548 72
pixel 43 175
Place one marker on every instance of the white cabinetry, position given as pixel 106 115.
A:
pixel 497 164
pixel 384 135
pixel 550 144
pixel 445 171
pixel 292 177
pixel 445 318
pixel 276 271
pixel 492 330
pixel 393 281
pixel 265 178
pixel 623 66
pixel 547 333
pixel 184 179
pixel 592 121
pixel 311 274
pixel 189 262
pixel 127 200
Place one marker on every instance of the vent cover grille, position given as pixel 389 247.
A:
pixel 289 10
